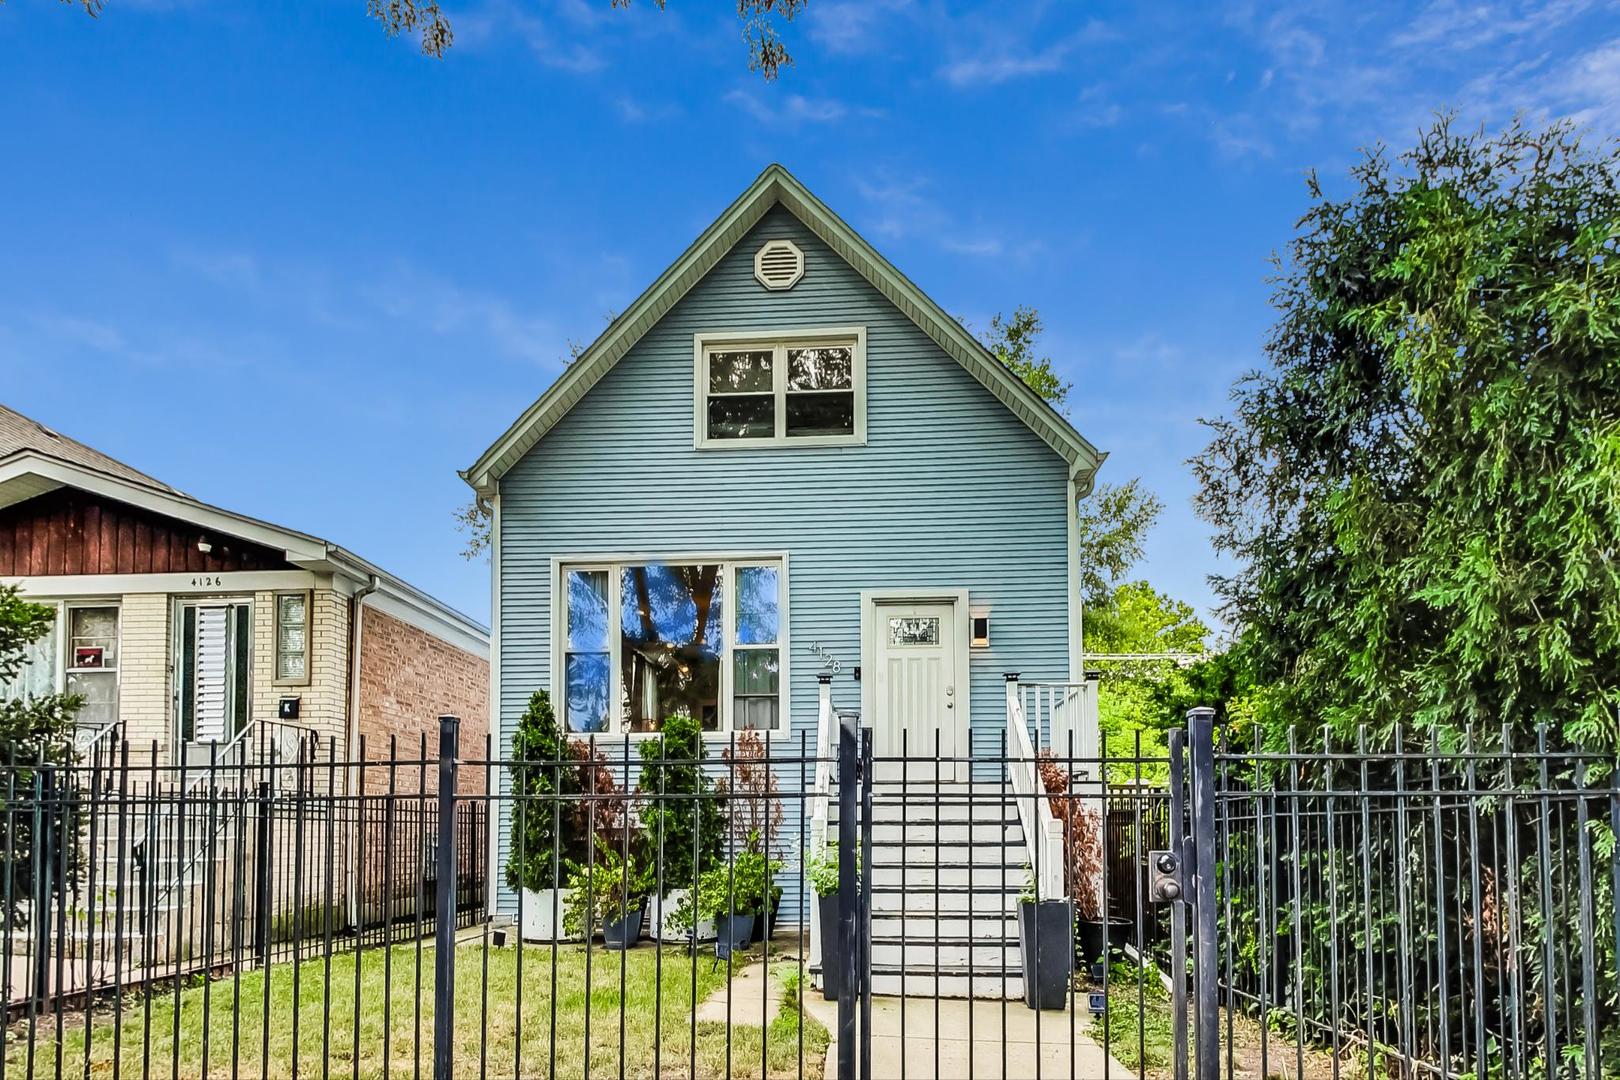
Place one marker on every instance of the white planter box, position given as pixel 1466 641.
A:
pixel 543 915
pixel 661 908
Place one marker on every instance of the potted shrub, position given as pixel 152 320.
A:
pixel 755 809
pixel 735 895
pixel 683 824
pixel 822 870
pixel 1045 947
pixel 609 897
pixel 544 828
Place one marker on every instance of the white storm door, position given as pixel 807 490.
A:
pixel 917 682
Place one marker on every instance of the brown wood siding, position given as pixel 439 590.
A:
pixel 67 531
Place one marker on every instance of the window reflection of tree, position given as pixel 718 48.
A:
pixel 671 644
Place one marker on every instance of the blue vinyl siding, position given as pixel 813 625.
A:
pixel 951 490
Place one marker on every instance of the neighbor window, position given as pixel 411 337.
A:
pixel 92 663
pixel 292 637
pixel 805 388
pixel 648 641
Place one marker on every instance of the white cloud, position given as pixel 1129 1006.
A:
pixel 851 27
pixel 778 108
pixel 1003 58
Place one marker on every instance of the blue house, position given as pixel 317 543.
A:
pixel 783 460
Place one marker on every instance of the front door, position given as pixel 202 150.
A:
pixel 917 688
pixel 212 661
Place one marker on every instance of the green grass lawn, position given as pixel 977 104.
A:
pixel 396 1021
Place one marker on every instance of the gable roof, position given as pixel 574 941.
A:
pixel 35 460
pixel 19 432
pixel 776 186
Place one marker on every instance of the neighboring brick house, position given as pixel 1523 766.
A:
pixel 192 630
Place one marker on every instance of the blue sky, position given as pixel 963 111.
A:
pixel 299 270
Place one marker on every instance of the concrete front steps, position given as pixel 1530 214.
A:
pixel 947 867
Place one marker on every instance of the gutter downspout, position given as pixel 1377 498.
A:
pixel 352 774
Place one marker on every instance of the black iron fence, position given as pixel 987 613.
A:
pixel 1420 909
pixel 793 907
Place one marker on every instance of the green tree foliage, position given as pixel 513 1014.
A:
pixel 546 844
pixel 1014 342
pixel 1422 490
pixel 690 830
pixel 34 731
pixel 1133 696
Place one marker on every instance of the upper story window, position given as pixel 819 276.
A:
pixel 805 388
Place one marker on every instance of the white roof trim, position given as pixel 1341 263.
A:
pixel 28 473
pixel 776 185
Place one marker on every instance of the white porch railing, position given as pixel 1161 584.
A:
pixel 1043 833
pixel 1062 716
pixel 826 754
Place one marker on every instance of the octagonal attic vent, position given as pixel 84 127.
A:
pixel 779 264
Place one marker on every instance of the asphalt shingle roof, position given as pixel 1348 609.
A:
pixel 19 432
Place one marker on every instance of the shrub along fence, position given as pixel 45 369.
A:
pixel 1421 908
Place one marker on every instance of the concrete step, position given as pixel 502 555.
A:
pixel 949 984
pixel 924 878
pixel 887 900
pixel 948 834
pixel 926 957
pixel 918 809
pixel 920 921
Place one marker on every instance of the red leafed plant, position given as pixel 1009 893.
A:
pixel 755 808
pixel 1082 837
pixel 602 806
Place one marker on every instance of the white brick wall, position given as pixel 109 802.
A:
pixel 143 681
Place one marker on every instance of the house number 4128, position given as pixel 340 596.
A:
pixel 829 662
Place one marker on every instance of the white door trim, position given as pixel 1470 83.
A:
pixel 958 599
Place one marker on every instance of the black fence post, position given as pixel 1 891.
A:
pixel 444 937
pixel 848 890
pixel 44 860
pixel 263 871
pixel 1201 738
pixel 1180 845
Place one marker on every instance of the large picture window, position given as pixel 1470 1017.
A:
pixel 646 641
pixel 798 389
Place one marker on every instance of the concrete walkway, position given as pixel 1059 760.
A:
pixel 752 999
pixel 978 1039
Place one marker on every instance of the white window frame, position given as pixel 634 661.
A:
pixel 779 342
pixel 614 564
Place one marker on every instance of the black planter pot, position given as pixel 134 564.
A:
pixel 733 934
pixel 762 926
pixel 832 957
pixel 623 933
pixel 1046 947
pixel 1090 940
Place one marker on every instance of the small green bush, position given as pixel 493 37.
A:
pixel 685 834
pixel 610 890
pixel 542 853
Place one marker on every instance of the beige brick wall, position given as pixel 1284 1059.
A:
pixel 323 702
pixel 143 677
pixel 408 679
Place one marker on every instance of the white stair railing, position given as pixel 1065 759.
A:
pixel 1043 833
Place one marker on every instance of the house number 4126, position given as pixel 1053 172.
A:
pixel 829 662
